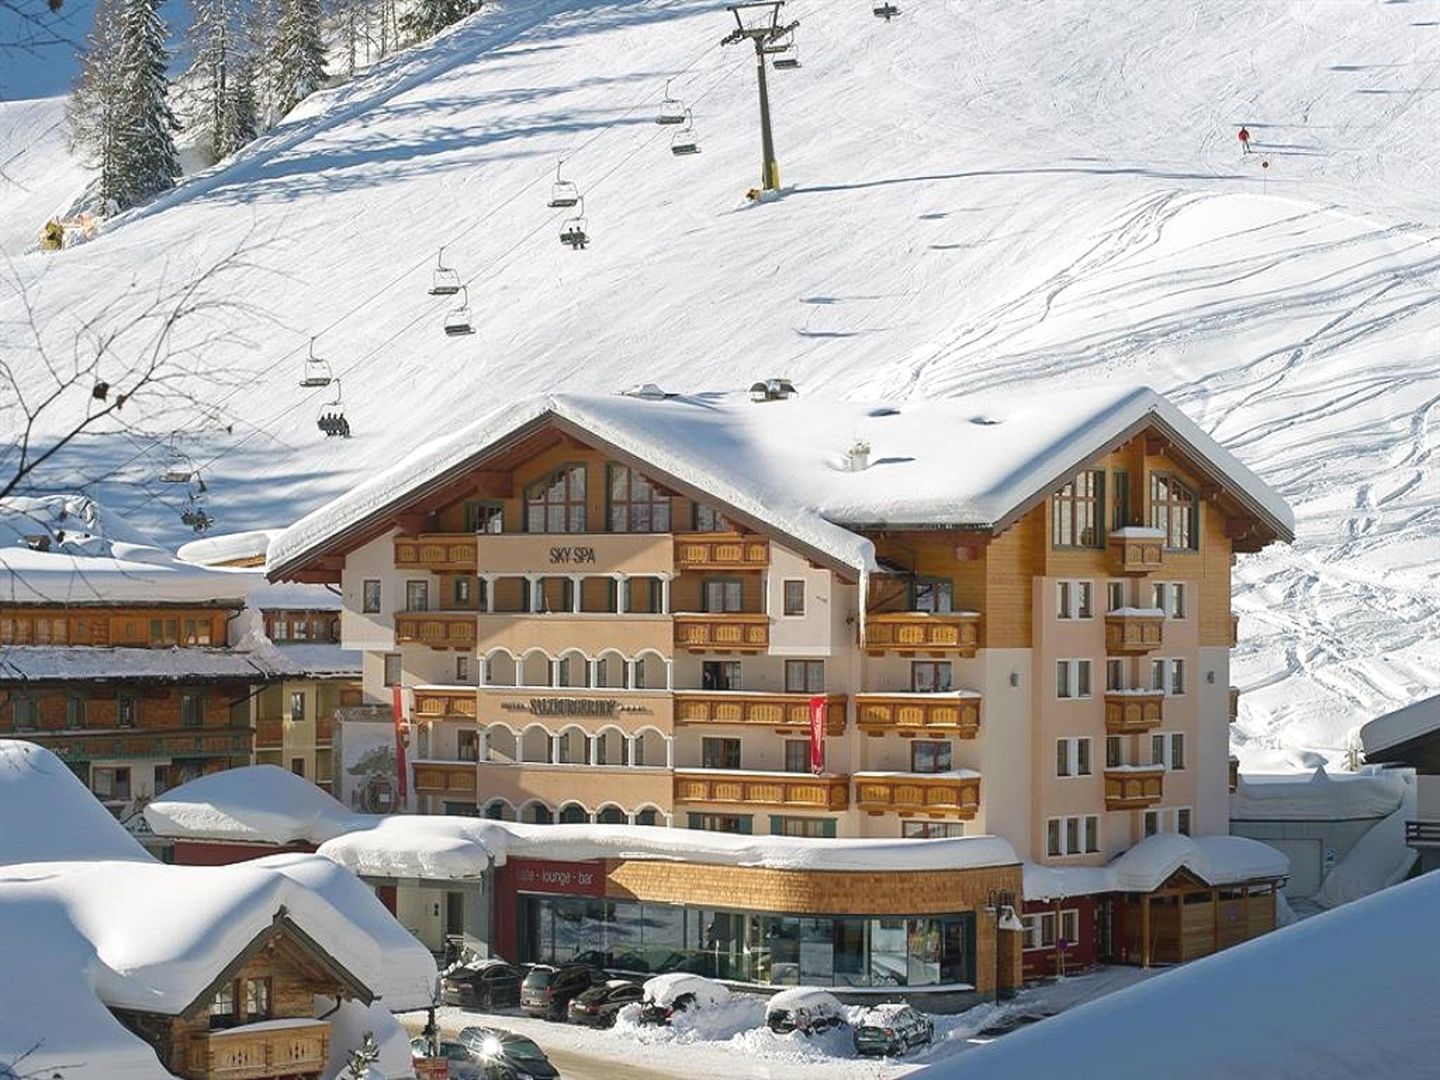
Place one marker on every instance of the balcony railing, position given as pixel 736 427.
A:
pixel 1234 703
pixel 445 778
pixel 269 732
pixel 1134 630
pixel 922 631
pixel 756 709
pixel 436 552
pixel 445 703
pixel 797 791
pixel 953 794
pixel 721 551
pixel 1130 712
pixel 1422 833
pixel 1137 551
pixel 731 631
pixel 955 714
pixel 1134 787
pixel 438 629
pixel 300 1048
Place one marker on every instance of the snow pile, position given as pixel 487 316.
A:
pixel 665 990
pixel 1379 859
pixel 227 547
pixel 1344 994
pixel 1318 796
pixel 1217 860
pixel 73 825
pixel 259 804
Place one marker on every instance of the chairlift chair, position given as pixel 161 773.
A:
pixel 886 11
pixel 331 419
pixel 179 468
pixel 574 235
pixel 317 371
pixel 683 141
pixel 672 110
pixel 563 193
pixel 194 515
pixel 444 281
pixel 788 60
pixel 457 319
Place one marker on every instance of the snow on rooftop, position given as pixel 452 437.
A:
pixel 1217 860
pixel 1350 993
pixel 228 547
pixel 1317 796
pixel 782 462
pixel 1398 727
pixel 75 825
pixel 260 804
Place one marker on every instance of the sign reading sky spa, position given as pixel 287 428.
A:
pixel 644 554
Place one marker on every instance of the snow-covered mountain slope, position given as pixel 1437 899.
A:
pixel 981 194
pixel 39 178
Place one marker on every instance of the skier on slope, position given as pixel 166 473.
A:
pixel 1245 140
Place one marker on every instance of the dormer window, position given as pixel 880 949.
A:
pixel 557 503
pixel 1174 510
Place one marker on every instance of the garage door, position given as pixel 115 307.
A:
pixel 1304 867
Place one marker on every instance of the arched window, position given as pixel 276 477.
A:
pixel 557 503
pixel 1173 510
pixel 610 815
pixel 537 813
pixel 573 814
pixel 648 816
pixel 499 810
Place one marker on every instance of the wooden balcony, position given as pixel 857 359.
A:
pixel 324 730
pixel 448 779
pixel 756 710
pixel 1234 704
pixel 1130 712
pixel 922 631
pixel 438 629
pixel 951 795
pixel 731 631
pixel 1136 551
pixel 445 703
pixel 1134 787
pixel 437 552
pixel 269 733
pixel 259 1052
pixel 721 551
pixel 1133 630
pixel 956 715
pixel 798 791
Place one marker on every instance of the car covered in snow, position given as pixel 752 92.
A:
pixel 804 1009
pixel 482 984
pixel 892 1029
pixel 677 992
pixel 547 990
pixel 598 1006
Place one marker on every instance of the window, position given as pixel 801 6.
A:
pixel 557 503
pixel 164 631
pixel 1114 595
pixel 391 675
pixel 719 753
pixel 1182 821
pixel 370 596
pixel 1077 512
pixel 110 783
pixel 1114 674
pixel 931 830
pixel 1174 512
pixel 1072 678
pixel 935 595
pixel 127 710
pixel 1040 929
pixel 1072 756
pixel 1168 749
pixel 25 713
pixel 1119 499
pixel 930 677
pixel 929 756
pixel 797 755
pixel 636 505
pixel 731 823
pixel 1114 752
pixel 1152 822
pixel 484 517
pixel 794 597
pixel 300 629
pixel 804 676
pixel 196 631
pixel 222 1009
pixel 1073 600
pixel 257 1000
pixel 708 519
pixel 297 705
pixel 723 594
pixel 1072 835
pixel 467 746
pixel 1169 597
pixel 297 766
pixel 1167 676
pixel 162 779
pixel 463 591
pixel 76 708
pixel 812 827
pixel 417 596
pixel 464 672
pixel 720 675
pixel 192 708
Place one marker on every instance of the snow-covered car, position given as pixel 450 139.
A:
pixel 804 1009
pixel 482 984
pixel 892 1028
pixel 598 1006
pixel 679 991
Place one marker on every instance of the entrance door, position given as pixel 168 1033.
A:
pixel 454 913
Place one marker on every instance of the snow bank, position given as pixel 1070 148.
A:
pixel 1379 859
pixel 348 1027
pixel 1344 994
pixel 1217 860
pixel 671 987
pixel 73 825
pixel 1317 796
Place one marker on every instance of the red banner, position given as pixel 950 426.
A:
pixel 401 782
pixel 818 708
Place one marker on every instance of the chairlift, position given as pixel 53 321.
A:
pixel 563 193
pixel 672 110
pixel 886 11
pixel 444 281
pixel 317 371
pixel 573 234
pixel 194 514
pixel 788 60
pixel 457 319
pixel 683 142
pixel 180 468
pixel 331 419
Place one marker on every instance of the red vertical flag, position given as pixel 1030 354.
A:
pixel 818 707
pixel 398 706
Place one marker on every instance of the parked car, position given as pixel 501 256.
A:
pixel 482 984
pixel 462 1064
pixel 676 992
pixel 804 1009
pixel 548 990
pixel 891 1029
pixel 506 1056
pixel 598 1006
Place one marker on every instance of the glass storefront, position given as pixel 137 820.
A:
pixel 781 950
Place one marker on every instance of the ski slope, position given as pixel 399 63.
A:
pixel 979 195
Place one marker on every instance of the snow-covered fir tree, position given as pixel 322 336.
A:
pixel 94 109
pixel 428 17
pixel 218 73
pixel 297 55
pixel 147 162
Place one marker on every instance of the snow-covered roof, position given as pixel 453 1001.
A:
pixel 1317 796
pixel 134 574
pixel 1216 860
pixel 227 548
pixel 75 828
pixel 40 663
pixel 258 804
pixel 1394 729
pixel 1349 993
pixel 783 463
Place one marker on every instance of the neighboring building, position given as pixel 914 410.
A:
pixel 1411 737
pixel 1003 616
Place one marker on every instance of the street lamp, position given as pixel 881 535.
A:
pixel 1001 904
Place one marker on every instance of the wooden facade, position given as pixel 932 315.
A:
pixel 1186 918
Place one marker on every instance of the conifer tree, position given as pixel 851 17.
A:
pixel 217 47
pixel 428 17
pixel 297 54
pixel 146 151
pixel 94 109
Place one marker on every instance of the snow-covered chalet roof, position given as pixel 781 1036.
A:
pixel 231 548
pixel 782 463
pixel 1216 860
pixel 1394 729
